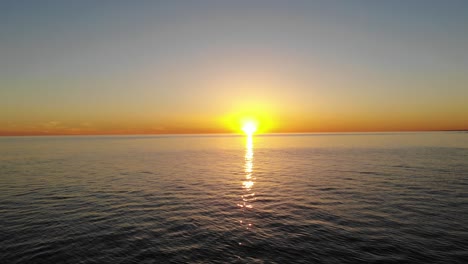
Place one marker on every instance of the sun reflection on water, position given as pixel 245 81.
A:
pixel 249 181
pixel 248 196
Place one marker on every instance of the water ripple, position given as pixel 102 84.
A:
pixel 133 202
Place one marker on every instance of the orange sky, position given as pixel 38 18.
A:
pixel 154 68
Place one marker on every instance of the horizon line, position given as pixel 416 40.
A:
pixel 222 133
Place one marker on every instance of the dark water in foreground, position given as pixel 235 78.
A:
pixel 330 198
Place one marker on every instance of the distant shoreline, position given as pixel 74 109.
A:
pixel 237 134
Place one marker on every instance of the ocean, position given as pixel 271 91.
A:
pixel 276 198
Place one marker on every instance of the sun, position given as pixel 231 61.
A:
pixel 249 127
pixel 248 123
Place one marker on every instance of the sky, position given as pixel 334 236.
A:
pixel 158 67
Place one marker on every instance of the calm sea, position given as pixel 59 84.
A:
pixel 301 198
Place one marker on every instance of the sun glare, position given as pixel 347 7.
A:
pixel 249 127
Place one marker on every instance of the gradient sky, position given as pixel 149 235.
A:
pixel 97 67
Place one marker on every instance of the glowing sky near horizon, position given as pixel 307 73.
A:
pixel 97 67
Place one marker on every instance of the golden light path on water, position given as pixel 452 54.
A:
pixel 248 196
pixel 248 183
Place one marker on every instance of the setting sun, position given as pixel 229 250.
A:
pixel 254 120
pixel 249 127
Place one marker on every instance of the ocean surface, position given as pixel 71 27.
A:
pixel 297 198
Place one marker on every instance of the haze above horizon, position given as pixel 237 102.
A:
pixel 164 67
